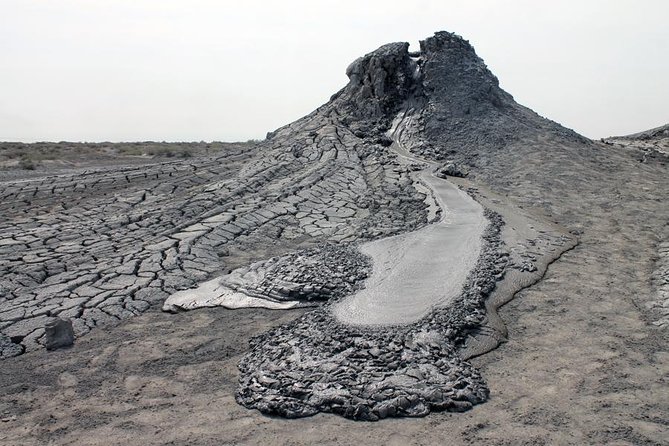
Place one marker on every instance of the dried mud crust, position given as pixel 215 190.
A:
pixel 314 274
pixel 104 245
pixel 316 364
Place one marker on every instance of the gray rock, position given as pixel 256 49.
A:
pixel 58 334
pixel 9 348
pixel 453 169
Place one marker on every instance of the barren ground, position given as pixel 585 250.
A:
pixel 586 359
pixel 582 365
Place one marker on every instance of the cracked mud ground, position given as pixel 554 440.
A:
pixel 586 359
pixel 102 246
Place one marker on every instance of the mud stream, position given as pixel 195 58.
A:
pixel 418 271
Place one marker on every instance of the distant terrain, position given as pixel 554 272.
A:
pixel 655 142
pixel 21 159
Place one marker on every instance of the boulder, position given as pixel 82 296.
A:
pixel 59 333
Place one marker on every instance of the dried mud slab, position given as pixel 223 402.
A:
pixel 295 279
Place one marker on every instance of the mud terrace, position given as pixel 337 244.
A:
pixel 557 322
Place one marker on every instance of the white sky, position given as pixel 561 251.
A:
pixel 126 70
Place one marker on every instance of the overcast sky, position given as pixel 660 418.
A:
pixel 127 70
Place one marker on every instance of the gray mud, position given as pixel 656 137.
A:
pixel 300 278
pixel 401 354
pixel 418 271
pixel 317 364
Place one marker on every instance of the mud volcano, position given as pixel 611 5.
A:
pixel 397 218
pixel 393 344
pixel 350 209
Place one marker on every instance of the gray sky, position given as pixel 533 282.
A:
pixel 125 70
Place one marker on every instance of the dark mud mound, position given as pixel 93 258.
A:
pixel 315 274
pixel 316 364
pixel 465 114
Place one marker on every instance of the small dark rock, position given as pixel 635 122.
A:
pixel 59 333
